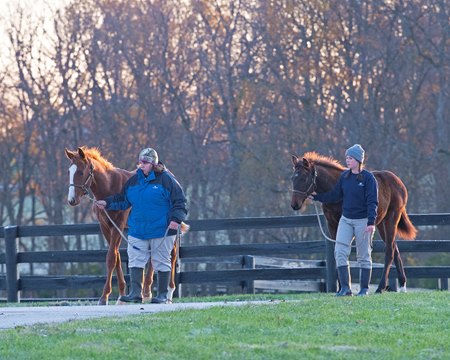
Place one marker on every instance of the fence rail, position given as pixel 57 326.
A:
pixel 13 282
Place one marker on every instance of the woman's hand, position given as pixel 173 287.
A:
pixel 311 196
pixel 370 229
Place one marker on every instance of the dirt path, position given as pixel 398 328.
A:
pixel 11 317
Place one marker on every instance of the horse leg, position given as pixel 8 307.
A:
pixel 119 274
pixel 148 281
pixel 400 269
pixel 331 260
pixel 113 262
pixel 173 273
pixel 389 230
pixel 116 240
pixel 388 259
pixel 111 259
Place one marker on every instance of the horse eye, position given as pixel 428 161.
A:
pixel 79 172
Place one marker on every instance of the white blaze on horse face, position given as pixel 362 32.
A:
pixel 71 195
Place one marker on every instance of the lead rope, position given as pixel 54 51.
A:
pixel 93 199
pixel 320 224
pixel 323 231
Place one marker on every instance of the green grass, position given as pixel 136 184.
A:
pixel 309 326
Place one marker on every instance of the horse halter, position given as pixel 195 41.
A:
pixel 311 187
pixel 84 187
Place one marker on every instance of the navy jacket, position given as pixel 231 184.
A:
pixel 155 200
pixel 359 197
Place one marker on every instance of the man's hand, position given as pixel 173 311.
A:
pixel 101 204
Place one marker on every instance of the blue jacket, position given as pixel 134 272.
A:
pixel 359 197
pixel 155 200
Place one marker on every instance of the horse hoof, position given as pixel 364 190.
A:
pixel 402 289
pixel 119 302
pixel 147 299
pixel 170 292
pixel 379 291
pixel 102 302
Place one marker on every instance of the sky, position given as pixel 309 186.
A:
pixel 37 8
pixel 37 5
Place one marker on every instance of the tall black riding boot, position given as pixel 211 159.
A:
pixel 365 276
pixel 344 279
pixel 135 295
pixel 163 284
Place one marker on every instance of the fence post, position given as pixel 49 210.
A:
pixel 443 284
pixel 331 280
pixel 248 262
pixel 12 273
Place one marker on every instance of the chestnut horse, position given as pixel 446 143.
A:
pixel 89 172
pixel 314 172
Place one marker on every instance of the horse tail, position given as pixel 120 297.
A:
pixel 405 229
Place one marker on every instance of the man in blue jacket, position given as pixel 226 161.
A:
pixel 158 207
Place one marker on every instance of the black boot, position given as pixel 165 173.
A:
pixel 365 275
pixel 344 279
pixel 163 284
pixel 135 295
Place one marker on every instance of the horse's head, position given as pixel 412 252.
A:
pixel 81 172
pixel 303 181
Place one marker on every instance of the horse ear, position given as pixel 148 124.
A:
pixel 81 153
pixel 306 163
pixel 69 153
pixel 294 159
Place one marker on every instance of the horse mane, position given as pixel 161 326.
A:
pixel 325 161
pixel 94 153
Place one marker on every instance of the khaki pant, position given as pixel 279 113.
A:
pixel 349 229
pixel 139 252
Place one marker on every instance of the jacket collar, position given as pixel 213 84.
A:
pixel 150 177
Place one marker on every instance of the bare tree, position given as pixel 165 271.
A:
pixel 226 90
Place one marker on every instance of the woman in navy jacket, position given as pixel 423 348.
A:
pixel 158 207
pixel 358 190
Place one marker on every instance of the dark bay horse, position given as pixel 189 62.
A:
pixel 314 172
pixel 89 172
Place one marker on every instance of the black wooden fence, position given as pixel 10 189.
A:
pixel 13 282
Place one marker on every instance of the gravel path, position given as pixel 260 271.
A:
pixel 11 317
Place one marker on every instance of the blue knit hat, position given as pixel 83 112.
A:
pixel 356 152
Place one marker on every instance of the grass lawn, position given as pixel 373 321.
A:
pixel 306 326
